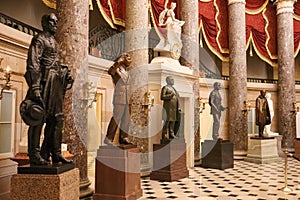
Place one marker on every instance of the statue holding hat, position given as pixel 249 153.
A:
pixel 48 81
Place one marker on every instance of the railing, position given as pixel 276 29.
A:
pixel 13 23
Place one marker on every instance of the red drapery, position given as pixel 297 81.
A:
pixel 261 23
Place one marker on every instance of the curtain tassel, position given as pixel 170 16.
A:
pixel 201 42
pixel 251 49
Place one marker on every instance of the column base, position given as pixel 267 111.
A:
pixel 63 186
pixel 117 173
pixel 262 150
pixel 169 162
pixel 217 154
pixel 297 149
pixel 7 169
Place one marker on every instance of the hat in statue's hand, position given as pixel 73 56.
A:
pixel 32 113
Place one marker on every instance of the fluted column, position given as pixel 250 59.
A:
pixel 286 72
pixel 190 40
pixel 72 35
pixel 238 76
pixel 136 44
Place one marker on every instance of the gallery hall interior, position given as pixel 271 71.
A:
pixel 149 99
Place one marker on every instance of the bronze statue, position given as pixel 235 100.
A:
pixel 262 112
pixel 171 106
pixel 48 81
pixel 215 102
pixel 121 116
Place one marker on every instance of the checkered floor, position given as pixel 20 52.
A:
pixel 246 181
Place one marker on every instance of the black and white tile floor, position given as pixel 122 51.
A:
pixel 246 181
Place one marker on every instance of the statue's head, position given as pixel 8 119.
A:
pixel 124 59
pixel 49 23
pixel 170 80
pixel 217 86
pixel 173 5
pixel 268 95
pixel 263 93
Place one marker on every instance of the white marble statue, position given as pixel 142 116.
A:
pixel 173 26
pixel 267 130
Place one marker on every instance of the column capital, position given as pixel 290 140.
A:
pixel 230 2
pixel 284 6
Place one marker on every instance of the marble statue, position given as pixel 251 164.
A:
pixel 215 102
pixel 172 42
pixel 262 112
pixel 267 130
pixel 170 98
pixel 121 116
pixel 48 81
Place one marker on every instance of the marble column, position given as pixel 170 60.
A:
pixel 190 40
pixel 136 44
pixel 286 72
pixel 72 35
pixel 238 77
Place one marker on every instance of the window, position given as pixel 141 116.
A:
pixel 7 122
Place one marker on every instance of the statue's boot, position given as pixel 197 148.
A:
pixel 57 157
pixel 47 142
pixel 35 157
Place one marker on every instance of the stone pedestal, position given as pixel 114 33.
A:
pixel 64 186
pixel 117 173
pixel 297 148
pixel 217 154
pixel 262 150
pixel 169 161
pixel 7 169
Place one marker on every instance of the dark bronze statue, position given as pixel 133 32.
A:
pixel 121 116
pixel 171 106
pixel 262 112
pixel 48 81
pixel 215 102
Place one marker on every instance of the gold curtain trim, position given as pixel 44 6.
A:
pixel 91 5
pixel 296 17
pixel 220 56
pixel 105 16
pixel 50 4
pixel 223 50
pixel 116 21
pixel 254 12
pixel 268 36
pixel 205 1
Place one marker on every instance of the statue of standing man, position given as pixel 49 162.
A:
pixel 215 102
pixel 48 81
pixel 171 106
pixel 262 112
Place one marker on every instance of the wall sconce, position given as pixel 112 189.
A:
pixel 246 108
pixel 7 75
pixel 147 102
pixel 201 104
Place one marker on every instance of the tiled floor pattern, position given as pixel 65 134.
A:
pixel 246 181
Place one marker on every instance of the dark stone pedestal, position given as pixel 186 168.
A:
pixel 117 173
pixel 169 161
pixel 45 169
pixel 217 154
pixel 297 148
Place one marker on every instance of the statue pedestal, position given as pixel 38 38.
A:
pixel 169 161
pixel 63 186
pixel 297 148
pixel 217 154
pixel 262 150
pixel 117 173
pixel 7 169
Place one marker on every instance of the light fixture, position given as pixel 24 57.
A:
pixel 7 75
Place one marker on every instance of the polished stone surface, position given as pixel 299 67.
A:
pixel 45 169
pixel 238 77
pixel 64 186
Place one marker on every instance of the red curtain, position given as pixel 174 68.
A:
pixel 261 23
